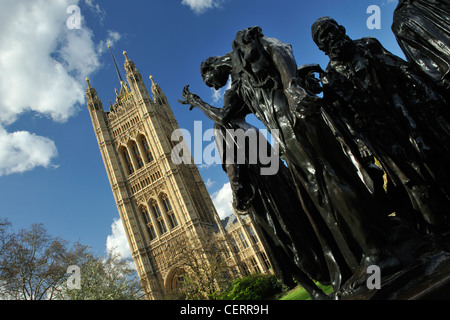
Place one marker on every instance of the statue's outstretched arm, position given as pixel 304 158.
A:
pixel 215 114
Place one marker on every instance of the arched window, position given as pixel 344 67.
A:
pixel 234 245
pixel 252 233
pixel 137 155
pixel 244 241
pixel 159 217
pixel 156 210
pixel 166 203
pixel 148 223
pixel 168 208
pixel 146 215
pixel 255 266
pixel 148 154
pixel 127 160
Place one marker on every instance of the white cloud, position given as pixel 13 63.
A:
pixel 209 183
pixel 222 200
pixel 112 38
pixel 43 64
pixel 388 2
pixel 94 7
pixel 36 60
pixel 217 95
pixel 200 6
pixel 22 151
pixel 117 240
pixel 79 56
pixel 205 166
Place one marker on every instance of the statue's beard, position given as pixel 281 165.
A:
pixel 341 50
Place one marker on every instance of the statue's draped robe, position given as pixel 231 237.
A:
pixel 403 122
pixel 340 208
pixel 422 29
pixel 271 200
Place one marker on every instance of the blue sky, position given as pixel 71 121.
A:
pixel 51 170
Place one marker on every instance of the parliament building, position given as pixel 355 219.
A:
pixel 165 208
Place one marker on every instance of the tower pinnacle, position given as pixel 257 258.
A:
pixel 115 65
pixel 155 87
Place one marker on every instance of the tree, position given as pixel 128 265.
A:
pixel 253 287
pixel 33 263
pixel 5 237
pixel 5 240
pixel 34 266
pixel 205 271
pixel 105 278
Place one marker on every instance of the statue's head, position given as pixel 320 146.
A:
pixel 328 34
pixel 215 71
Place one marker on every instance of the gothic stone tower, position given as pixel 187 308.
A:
pixel 161 205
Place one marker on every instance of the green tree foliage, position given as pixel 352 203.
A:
pixel 34 264
pixel 203 265
pixel 107 278
pixel 253 287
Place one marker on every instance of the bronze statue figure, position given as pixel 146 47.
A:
pixel 365 176
pixel 368 87
pixel 270 199
pixel 422 29
pixel 263 73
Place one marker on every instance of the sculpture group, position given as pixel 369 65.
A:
pixel 366 172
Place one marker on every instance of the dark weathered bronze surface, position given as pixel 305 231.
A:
pixel 422 29
pixel 367 178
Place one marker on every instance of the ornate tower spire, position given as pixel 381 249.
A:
pixel 93 101
pixel 155 87
pixel 115 65
pixel 123 85
pixel 134 79
pixel 126 57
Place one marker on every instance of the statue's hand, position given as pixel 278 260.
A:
pixel 300 102
pixel 189 98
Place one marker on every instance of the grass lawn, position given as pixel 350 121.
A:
pixel 299 293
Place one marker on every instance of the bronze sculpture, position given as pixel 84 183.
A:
pixel 368 87
pixel 308 146
pixel 422 29
pixel 374 106
pixel 270 199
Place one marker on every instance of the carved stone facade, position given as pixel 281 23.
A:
pixel 162 206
